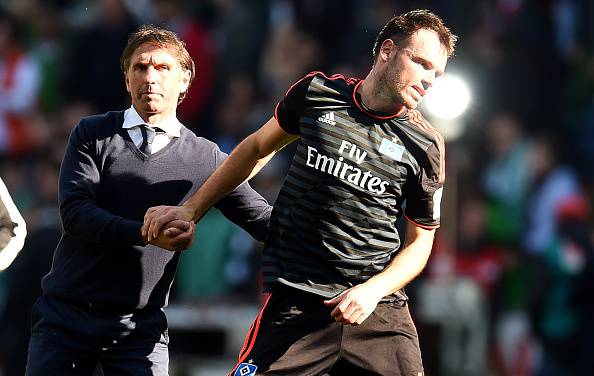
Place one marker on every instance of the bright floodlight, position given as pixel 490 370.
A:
pixel 448 98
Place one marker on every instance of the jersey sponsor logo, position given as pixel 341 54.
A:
pixel 328 118
pixel 340 168
pixel 245 369
pixel 391 149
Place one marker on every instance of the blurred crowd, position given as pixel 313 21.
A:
pixel 506 289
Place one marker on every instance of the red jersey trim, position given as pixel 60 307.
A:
pixel 349 81
pixel 420 225
pixel 278 121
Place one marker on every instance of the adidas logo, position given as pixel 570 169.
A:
pixel 328 118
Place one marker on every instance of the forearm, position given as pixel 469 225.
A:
pixel 86 221
pixel 404 267
pixel 355 304
pixel 244 162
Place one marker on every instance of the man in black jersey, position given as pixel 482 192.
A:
pixel 333 261
pixel 104 295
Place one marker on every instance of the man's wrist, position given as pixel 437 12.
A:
pixel 378 288
pixel 193 211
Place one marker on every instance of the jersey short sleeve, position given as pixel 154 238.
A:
pixel 289 109
pixel 423 194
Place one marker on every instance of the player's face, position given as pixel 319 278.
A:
pixel 155 80
pixel 413 67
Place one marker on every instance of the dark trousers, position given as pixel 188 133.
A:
pixel 295 335
pixel 73 339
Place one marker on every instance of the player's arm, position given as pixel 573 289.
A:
pixel 354 305
pixel 246 160
pixel 243 163
pixel 423 197
pixel 409 262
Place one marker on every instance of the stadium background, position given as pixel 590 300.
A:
pixel 506 291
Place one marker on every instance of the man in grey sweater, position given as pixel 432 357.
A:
pixel 104 295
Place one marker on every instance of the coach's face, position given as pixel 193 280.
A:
pixel 412 67
pixel 155 80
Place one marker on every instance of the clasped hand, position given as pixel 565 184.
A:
pixel 177 235
pixel 160 218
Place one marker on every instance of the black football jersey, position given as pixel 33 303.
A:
pixel 334 222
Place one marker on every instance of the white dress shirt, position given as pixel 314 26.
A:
pixel 132 122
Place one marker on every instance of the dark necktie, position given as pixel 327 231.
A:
pixel 148 135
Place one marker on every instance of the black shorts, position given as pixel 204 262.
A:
pixel 295 335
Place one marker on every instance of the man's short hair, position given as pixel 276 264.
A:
pixel 164 39
pixel 403 26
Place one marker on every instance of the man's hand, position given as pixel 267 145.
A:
pixel 177 235
pixel 157 217
pixel 354 305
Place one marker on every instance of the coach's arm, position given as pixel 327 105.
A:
pixel 83 218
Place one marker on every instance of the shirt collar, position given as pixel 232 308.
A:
pixel 171 126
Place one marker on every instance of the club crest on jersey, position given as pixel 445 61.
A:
pixel 391 149
pixel 328 118
pixel 246 369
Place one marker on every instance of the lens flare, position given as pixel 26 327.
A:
pixel 448 98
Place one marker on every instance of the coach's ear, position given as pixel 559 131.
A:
pixel 185 80
pixel 126 81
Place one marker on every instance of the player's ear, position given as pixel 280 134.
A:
pixel 387 49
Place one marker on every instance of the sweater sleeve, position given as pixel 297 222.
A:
pixel 79 187
pixel 244 206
